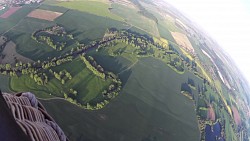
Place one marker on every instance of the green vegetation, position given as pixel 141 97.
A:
pixel 144 11
pixel 86 27
pixel 132 17
pixel 93 59
pixel 4 83
pixel 165 33
pixel 55 37
pixel 8 23
pixel 142 102
pixel 92 7
pixel 79 85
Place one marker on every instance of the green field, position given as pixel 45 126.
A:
pixel 88 86
pixel 165 33
pixel 86 27
pixel 8 23
pixel 4 83
pixel 145 109
pixel 92 7
pixel 156 101
pixel 132 17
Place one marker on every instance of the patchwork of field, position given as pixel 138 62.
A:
pixel 149 99
pixel 182 40
pixel 87 27
pixel 151 89
pixel 11 56
pixel 88 85
pixel 92 7
pixel 13 20
pixel 83 26
pixel 10 11
pixel 44 14
pixel 131 16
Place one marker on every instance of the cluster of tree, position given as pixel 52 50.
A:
pixel 54 62
pixel 56 30
pixel 92 65
pixel 62 76
pixel 144 46
pixel 49 41
pixel 71 96
pixel 112 91
pixel 39 78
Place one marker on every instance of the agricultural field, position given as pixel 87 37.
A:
pixel 182 41
pixel 131 16
pixel 10 11
pixel 4 83
pixel 10 22
pixel 11 56
pixel 140 102
pixel 126 3
pixel 123 79
pixel 86 27
pixel 88 86
pixel 44 15
pixel 93 7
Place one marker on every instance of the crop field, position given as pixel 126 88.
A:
pixel 7 23
pixel 11 56
pixel 132 17
pixel 182 41
pixel 30 25
pixel 165 94
pixel 88 85
pixel 44 14
pixel 10 11
pixel 29 48
pixel 166 23
pixel 236 116
pixel 92 7
pixel 86 27
pixel 126 3
pixel 53 8
pixel 154 96
pixel 4 83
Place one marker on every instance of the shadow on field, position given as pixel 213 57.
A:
pixel 186 87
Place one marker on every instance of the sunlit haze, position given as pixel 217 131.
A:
pixel 227 21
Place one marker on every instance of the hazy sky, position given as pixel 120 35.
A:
pixel 228 21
